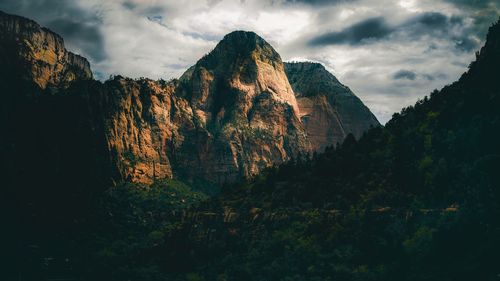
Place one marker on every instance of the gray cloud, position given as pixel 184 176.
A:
pixel 374 29
pixel 430 77
pixel 432 19
pixel 465 44
pixel 129 5
pixel 318 2
pixel 485 12
pixel 437 24
pixel 145 10
pixel 404 74
pixel 79 27
pixel 86 37
pixel 472 3
pixel 359 33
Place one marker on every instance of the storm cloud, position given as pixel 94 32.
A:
pixel 79 27
pixel 405 74
pixel 363 32
pixel 425 24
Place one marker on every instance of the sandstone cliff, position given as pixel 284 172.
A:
pixel 229 116
pixel 328 109
pixel 139 121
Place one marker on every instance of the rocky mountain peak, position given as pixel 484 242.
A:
pixel 241 67
pixel 244 107
pixel 243 37
pixel 37 54
pixel 239 45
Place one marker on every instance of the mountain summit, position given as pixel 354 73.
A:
pixel 240 44
pixel 245 61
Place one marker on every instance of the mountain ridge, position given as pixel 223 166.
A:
pixel 228 117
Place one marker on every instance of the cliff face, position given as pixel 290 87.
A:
pixel 245 110
pixel 138 124
pixel 38 54
pixel 229 116
pixel 328 109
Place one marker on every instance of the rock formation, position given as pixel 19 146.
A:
pixel 245 110
pixel 229 116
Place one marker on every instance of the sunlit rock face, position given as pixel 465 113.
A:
pixel 139 124
pixel 329 110
pixel 246 111
pixel 229 116
pixel 38 53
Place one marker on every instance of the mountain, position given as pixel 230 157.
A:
pixel 328 109
pixel 231 115
pixel 417 199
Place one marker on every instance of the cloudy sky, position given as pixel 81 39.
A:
pixel 390 53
